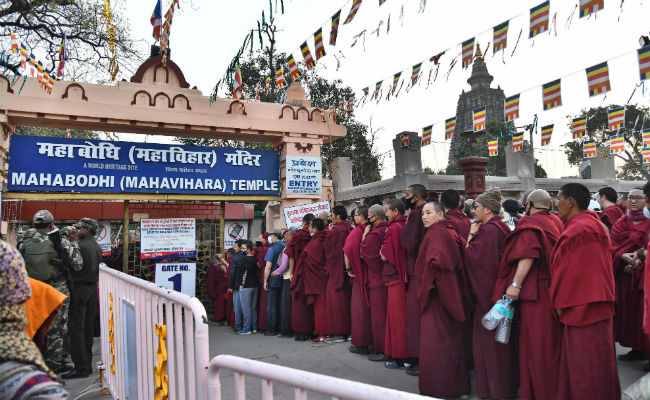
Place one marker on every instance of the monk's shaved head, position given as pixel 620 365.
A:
pixel 540 199
pixel 378 211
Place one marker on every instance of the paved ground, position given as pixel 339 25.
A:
pixel 328 359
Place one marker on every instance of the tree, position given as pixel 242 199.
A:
pixel 637 119
pixel 41 25
pixel 55 132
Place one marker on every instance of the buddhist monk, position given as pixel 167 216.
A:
pixel 315 277
pixel 582 294
pixel 261 248
pixel 450 199
pixel 610 213
pixel 373 238
pixel 443 360
pixel 217 285
pixel 302 314
pixel 495 364
pixel 338 283
pixel 410 238
pixel 524 277
pixel 361 328
pixel 394 275
pixel 629 235
pixel 622 202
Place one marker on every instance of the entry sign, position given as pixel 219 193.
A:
pixel 103 237
pixel 167 238
pixel 180 277
pixel 233 231
pixel 293 215
pixel 304 175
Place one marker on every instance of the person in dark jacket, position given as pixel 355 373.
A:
pixel 235 265
pixel 248 281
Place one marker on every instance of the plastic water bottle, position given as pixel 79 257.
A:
pixel 493 317
pixel 503 333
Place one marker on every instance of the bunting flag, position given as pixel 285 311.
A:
pixel 14 42
pixel 512 108
pixel 51 84
pixel 353 11
pixel 381 2
pixel 45 81
pixel 351 102
pixel 293 68
pixel 32 59
pixel 23 56
pixel 330 112
pixel 646 139
pixel 156 20
pixel 279 79
pixel 258 89
pixel 598 79
pixel 336 18
pixel 63 56
pixel 547 132
pixel 237 84
pixel 309 61
pixel 616 144
pixel 39 71
pixel 322 114
pixel 644 62
pixel 479 117
pixel 579 127
pixel 341 106
pixel 318 42
pixel 415 75
pixel 468 52
pixel 366 91
pixel 493 147
pixel 68 135
pixel 395 81
pixel 646 156
pixel 500 39
pixel 552 95
pixel 404 140
pixel 375 95
pixel 517 141
pixel 616 118
pixel 450 128
pixel 589 149
pixel 539 19
pixel 426 135
pixel 267 85
pixel 587 7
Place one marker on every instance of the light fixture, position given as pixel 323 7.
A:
pixel 644 41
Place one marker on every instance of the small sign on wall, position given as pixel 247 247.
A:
pixel 180 277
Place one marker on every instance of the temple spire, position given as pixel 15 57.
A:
pixel 480 77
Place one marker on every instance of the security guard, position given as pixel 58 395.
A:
pixel 84 300
pixel 49 258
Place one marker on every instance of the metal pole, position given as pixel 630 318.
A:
pixel 125 246
pixel 532 147
pixel 222 222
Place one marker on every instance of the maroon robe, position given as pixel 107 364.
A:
pixel 315 276
pixel 262 315
pixel 627 237
pixel 582 288
pixel 217 285
pixel 410 238
pixel 540 332
pixel 361 331
pixel 495 365
pixel 377 291
pixel 461 223
pixel 610 215
pixel 302 314
pixel 338 284
pixel 394 274
pixel 443 349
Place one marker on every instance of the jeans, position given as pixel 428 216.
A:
pixel 272 302
pixel 236 305
pixel 248 302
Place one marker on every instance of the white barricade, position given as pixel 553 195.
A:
pixel 302 381
pixel 134 307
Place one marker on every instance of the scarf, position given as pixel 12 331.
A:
pixel 635 216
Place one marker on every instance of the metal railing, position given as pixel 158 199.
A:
pixel 134 307
pixel 301 381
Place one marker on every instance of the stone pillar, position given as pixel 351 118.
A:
pixel 408 160
pixel 474 169
pixel 342 174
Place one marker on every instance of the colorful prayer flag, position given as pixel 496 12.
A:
pixel 267 84
pixel 589 149
pixel 468 52
pixel 552 95
pixel 23 56
pixel 377 89
pixel 63 56
pixel 415 74
pixel 539 19
pixel 279 79
pixel 32 59
pixel 598 79
pixel 616 118
pixel 404 140
pixel 479 117
pixel 644 62
pixel 318 43
pixel 258 89
pixel 450 127
pixel 336 18
pixel 426 135
pixel 512 108
pixel 500 37
pixel 39 71
pixel 616 144
pixel 156 20
pixel 45 81
pixel 517 142
pixel 366 91
pixel 14 42
pixel 646 138
pixel 646 156
pixel 237 84
pixel 395 81
pixel 547 132
pixel 293 68
pixel 341 105
pixel 579 127
pixel 309 61
pixel 590 6
pixel 493 147
pixel 353 11
pixel 351 102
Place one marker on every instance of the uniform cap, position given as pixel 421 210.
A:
pixel 43 217
pixel 88 223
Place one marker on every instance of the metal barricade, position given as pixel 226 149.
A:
pixel 302 381
pixel 131 308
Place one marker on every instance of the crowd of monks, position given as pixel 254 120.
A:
pixel 409 282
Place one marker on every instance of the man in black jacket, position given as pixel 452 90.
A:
pixel 233 287
pixel 249 283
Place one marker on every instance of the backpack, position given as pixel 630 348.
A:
pixel 37 255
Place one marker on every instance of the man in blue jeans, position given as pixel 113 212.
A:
pixel 235 265
pixel 273 282
pixel 249 283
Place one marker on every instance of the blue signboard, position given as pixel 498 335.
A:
pixel 48 164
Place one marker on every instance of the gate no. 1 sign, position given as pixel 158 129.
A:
pixel 180 277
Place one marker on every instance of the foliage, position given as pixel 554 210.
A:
pixel 55 132
pixel 636 120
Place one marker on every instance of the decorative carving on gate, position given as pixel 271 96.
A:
pixel 305 148
pixel 75 91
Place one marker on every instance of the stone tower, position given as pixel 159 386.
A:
pixel 480 94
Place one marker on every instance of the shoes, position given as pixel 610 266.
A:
pixel 632 355
pixel 358 350
pixel 255 331
pixel 301 338
pixel 320 339
pixel 75 374
pixel 378 357
pixel 245 332
pixel 270 333
pixel 335 339
pixel 413 370
pixel 286 335
pixel 646 367
pixel 394 364
pixel 62 368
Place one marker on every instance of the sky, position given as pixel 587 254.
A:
pixel 206 34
